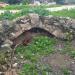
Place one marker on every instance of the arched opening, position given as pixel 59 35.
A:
pixel 27 35
pixel 40 31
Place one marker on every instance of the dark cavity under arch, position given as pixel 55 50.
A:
pixel 41 31
pixel 26 36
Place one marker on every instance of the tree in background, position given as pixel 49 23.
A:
pixel 13 1
pixel 26 1
pixel 2 0
pixel 17 1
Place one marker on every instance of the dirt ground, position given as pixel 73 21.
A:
pixel 59 62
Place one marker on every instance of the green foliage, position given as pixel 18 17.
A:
pixel 25 11
pixel 39 10
pixel 19 7
pixel 36 69
pixel 15 7
pixel 26 1
pixel 40 46
pixel 69 13
pixel 6 15
pixel 66 71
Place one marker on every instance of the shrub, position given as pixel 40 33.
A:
pixel 40 11
pixel 25 11
pixel 7 15
pixel 37 10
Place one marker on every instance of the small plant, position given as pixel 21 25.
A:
pixel 24 11
pixel 36 69
pixel 7 15
pixel 21 6
pixel 40 46
pixel 40 11
pixel 66 71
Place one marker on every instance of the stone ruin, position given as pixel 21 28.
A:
pixel 20 30
pixel 59 27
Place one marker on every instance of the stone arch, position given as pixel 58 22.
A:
pixel 47 25
pixel 27 36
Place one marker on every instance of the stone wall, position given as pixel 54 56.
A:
pixel 60 27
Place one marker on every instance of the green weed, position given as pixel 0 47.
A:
pixel 39 47
pixel 66 71
pixel 64 13
pixel 36 69
pixel 19 7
